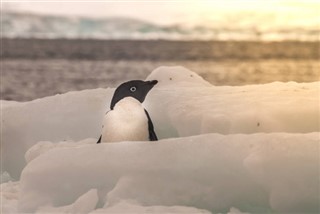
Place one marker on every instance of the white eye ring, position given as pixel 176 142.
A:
pixel 133 89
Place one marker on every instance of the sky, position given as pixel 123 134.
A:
pixel 193 12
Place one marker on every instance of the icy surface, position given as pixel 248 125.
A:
pixel 84 204
pixel 223 149
pixel 177 110
pixel 73 116
pixel 133 207
pixel 213 172
pixel 177 76
pixel 9 194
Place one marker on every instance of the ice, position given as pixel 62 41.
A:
pixel 235 211
pixel 135 208
pixel 84 204
pixel 222 149
pixel 44 146
pixel 9 194
pixel 176 111
pixel 177 76
pixel 275 107
pixel 212 172
pixel 72 116
pixel 5 177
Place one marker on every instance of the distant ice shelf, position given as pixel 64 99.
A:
pixel 23 25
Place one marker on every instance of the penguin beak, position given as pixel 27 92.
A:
pixel 152 82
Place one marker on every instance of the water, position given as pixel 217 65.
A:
pixel 27 79
pixel 35 68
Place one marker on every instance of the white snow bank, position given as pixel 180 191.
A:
pixel 5 177
pixel 9 194
pixel 275 107
pixel 177 76
pixel 176 111
pixel 245 170
pixel 71 116
pixel 183 104
pixel 255 173
pixel 135 208
pixel 44 146
pixel 84 204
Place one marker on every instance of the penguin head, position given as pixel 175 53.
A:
pixel 137 89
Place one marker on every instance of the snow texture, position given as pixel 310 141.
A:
pixel 213 172
pixel 222 150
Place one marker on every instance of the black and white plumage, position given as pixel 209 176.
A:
pixel 127 120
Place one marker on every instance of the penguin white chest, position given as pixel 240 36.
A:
pixel 126 122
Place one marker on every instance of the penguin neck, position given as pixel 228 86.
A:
pixel 127 104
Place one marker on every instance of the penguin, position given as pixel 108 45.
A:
pixel 127 119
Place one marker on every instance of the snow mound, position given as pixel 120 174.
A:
pixel 44 146
pixel 259 172
pixel 84 204
pixel 135 208
pixel 9 195
pixel 71 116
pixel 176 112
pixel 176 76
pixel 223 149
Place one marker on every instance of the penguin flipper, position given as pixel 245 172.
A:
pixel 152 134
pixel 99 141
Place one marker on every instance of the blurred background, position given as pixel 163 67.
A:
pixel 56 47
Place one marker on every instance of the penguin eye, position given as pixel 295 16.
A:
pixel 133 89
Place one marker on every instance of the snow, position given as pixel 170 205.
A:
pixel 223 149
pixel 212 172
pixel 177 76
pixel 72 116
pixel 84 204
pixel 9 197
pixel 133 207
